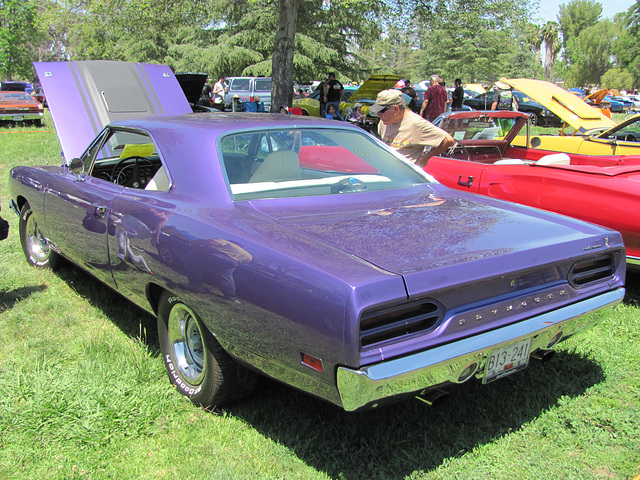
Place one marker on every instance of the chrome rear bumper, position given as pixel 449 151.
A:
pixel 25 116
pixel 458 361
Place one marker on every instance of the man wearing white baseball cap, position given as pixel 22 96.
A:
pixel 407 131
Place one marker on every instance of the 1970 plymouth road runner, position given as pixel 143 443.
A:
pixel 299 248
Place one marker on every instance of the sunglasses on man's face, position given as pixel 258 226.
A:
pixel 384 109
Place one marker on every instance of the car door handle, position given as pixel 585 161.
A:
pixel 99 211
pixel 465 183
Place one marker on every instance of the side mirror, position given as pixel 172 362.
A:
pixel 76 166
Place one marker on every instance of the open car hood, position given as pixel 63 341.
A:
pixel 83 97
pixel 373 85
pixel 598 95
pixel 192 84
pixel 566 105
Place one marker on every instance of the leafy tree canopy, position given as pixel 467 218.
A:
pixel 577 15
pixel 590 54
pixel 18 34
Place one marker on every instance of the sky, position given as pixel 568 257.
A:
pixel 549 9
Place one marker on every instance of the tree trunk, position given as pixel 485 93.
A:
pixel 282 61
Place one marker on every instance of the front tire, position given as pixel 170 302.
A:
pixel 533 118
pixel 34 245
pixel 196 363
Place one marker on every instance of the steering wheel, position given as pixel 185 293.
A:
pixel 134 181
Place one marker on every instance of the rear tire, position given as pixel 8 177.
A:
pixel 533 118
pixel 196 363
pixel 35 246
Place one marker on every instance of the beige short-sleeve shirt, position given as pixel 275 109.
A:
pixel 410 135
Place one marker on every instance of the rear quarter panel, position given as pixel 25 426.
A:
pixel 611 201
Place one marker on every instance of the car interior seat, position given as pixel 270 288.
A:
pixel 510 161
pixel 278 167
pixel 555 159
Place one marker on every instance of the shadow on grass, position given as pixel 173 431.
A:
pixel 129 318
pixel 394 441
pixel 632 285
pixel 10 297
pixel 391 442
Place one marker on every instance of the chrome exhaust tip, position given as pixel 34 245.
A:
pixel 543 355
pixel 431 396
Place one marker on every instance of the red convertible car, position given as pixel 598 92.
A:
pixel 599 189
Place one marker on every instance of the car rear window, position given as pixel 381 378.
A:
pixel 297 162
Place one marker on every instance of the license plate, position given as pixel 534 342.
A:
pixel 18 118
pixel 507 360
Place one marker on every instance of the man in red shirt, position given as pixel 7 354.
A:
pixel 435 99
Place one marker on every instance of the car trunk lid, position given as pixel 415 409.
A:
pixel 406 235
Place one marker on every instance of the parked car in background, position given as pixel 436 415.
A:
pixel 365 94
pixel 569 107
pixel 599 189
pixel 19 107
pixel 593 132
pixel 192 84
pixel 38 94
pixel 538 113
pixel 302 249
pixel 617 104
pixel 16 86
pixel 622 139
pixel 247 89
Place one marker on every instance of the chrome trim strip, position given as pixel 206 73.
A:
pixel 446 364
pixel 633 260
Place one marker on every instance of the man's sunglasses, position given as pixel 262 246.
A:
pixel 380 112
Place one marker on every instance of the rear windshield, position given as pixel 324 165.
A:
pixel 297 162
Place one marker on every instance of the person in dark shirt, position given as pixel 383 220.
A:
pixel 457 96
pixel 435 99
pixel 332 91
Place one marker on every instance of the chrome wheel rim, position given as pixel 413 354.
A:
pixel 186 340
pixel 38 245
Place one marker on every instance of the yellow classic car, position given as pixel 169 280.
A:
pixel 594 133
pixel 366 95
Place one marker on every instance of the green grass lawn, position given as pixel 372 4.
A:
pixel 84 395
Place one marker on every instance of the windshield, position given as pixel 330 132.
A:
pixel 629 132
pixel 310 162
pixel 479 127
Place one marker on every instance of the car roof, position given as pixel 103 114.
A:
pixel 223 122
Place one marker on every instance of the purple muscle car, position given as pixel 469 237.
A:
pixel 299 248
